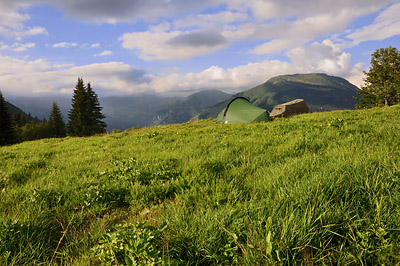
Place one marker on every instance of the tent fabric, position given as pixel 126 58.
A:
pixel 240 110
pixel 295 107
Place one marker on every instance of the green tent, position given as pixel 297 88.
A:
pixel 240 110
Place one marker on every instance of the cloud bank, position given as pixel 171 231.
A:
pixel 120 78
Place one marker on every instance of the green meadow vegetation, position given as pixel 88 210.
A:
pixel 314 189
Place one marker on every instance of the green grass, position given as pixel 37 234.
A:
pixel 315 189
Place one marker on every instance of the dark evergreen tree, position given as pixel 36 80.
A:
pixel 382 83
pixel 96 124
pixel 77 115
pixel 56 122
pixel 85 117
pixel 7 131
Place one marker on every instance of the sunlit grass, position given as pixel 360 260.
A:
pixel 320 188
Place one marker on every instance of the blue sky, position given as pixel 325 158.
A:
pixel 177 47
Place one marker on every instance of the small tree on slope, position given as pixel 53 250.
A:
pixel 85 117
pixel 56 122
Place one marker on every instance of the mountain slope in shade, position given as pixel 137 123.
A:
pixel 320 91
pixel 126 112
pixel 41 106
pixel 12 109
pixel 184 109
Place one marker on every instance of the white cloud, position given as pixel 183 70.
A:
pixel 17 47
pixel 13 66
pixel 22 47
pixel 9 15
pixel 275 46
pixel 86 45
pixel 386 25
pixel 326 57
pixel 23 77
pixel 277 9
pixel 104 53
pixel 64 45
pixel 229 80
pixel 285 35
pixel 12 19
pixel 21 33
pixel 3 46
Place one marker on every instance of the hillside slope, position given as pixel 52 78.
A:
pixel 320 91
pixel 12 109
pixel 136 110
pixel 320 188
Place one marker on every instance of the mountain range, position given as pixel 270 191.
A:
pixel 320 91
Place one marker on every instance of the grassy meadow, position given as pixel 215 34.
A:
pixel 315 189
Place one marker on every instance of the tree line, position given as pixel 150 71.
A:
pixel 84 119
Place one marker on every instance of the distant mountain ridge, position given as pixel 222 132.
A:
pixel 320 91
pixel 12 109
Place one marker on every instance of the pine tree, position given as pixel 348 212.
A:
pixel 382 82
pixel 76 124
pixel 85 117
pixel 7 131
pixel 56 122
pixel 96 124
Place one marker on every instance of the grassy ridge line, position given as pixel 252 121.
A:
pixel 318 188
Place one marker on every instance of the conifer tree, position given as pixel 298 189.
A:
pixel 56 122
pixel 85 117
pixel 96 124
pixel 77 115
pixel 7 131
